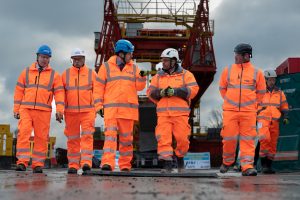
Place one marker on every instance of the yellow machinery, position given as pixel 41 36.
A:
pixel 6 140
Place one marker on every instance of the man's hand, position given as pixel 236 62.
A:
pixel 142 73
pixel 59 117
pixel 101 112
pixel 163 92
pixel 170 91
pixel 16 115
pixel 286 121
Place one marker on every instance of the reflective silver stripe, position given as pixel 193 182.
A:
pixel 27 150
pixel 261 91
pixel 73 160
pixel 123 105
pixel 86 87
pixel 274 118
pixel 86 158
pixel 261 137
pixel 152 87
pixel 17 102
pixel 263 117
pixel 100 80
pixel 73 154
pixel 81 106
pixel 158 137
pixel 229 159
pixel 125 144
pixel 27 76
pixel 127 153
pixel 107 70
pixel 243 163
pixel 192 84
pixel 143 79
pixel 23 156
pixel 68 77
pixel 58 88
pixel 98 100
pixel 38 160
pixel 231 102
pixel 228 154
pixel 112 128
pixel 72 137
pixel 59 103
pixel 84 151
pixel 242 104
pixel 230 138
pixel 125 134
pixel 108 150
pixel 20 84
pixel 165 158
pixel 189 92
pixel 183 75
pixel 38 153
pixel 35 85
pixel 37 104
pixel 110 138
pixel 51 79
pixel 270 104
pixel 251 87
pixel 127 78
pixel 87 133
pixel 172 109
pixel 283 102
pixel 222 88
pixel 90 77
pixel 247 158
pixel 255 75
pixel 247 137
pixel 166 153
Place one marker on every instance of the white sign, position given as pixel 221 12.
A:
pixel 197 160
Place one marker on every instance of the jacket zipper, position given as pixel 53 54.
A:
pixel 37 78
pixel 241 88
pixel 78 89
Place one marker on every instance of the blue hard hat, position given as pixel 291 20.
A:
pixel 45 50
pixel 124 45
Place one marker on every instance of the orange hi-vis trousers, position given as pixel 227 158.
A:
pixel 168 126
pixel 240 125
pixel 39 122
pixel 268 147
pixel 112 127
pixel 264 119
pixel 80 144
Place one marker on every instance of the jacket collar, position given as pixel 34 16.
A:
pixel 34 67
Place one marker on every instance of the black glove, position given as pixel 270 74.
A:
pixel 142 73
pixel 285 121
pixel 17 115
pixel 101 112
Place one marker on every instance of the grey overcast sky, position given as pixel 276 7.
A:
pixel 270 26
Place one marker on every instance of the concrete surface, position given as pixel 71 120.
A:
pixel 57 184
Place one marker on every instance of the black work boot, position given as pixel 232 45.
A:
pixel 180 164
pixel 268 169
pixel 167 166
pixel 37 170
pixel 20 168
pixel 86 167
pixel 72 170
pixel 250 172
pixel 224 168
pixel 106 167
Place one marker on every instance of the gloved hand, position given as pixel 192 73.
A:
pixel 59 117
pixel 163 92
pixel 16 115
pixel 286 121
pixel 170 91
pixel 101 112
pixel 142 73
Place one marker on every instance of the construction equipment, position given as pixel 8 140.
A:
pixel 6 146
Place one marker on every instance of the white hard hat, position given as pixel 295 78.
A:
pixel 77 52
pixel 170 53
pixel 270 73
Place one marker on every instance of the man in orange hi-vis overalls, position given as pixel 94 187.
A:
pixel 34 93
pixel 242 87
pixel 275 102
pixel 82 100
pixel 120 80
pixel 172 89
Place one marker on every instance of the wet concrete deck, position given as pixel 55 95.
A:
pixel 57 184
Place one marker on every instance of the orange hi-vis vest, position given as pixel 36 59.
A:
pixel 35 90
pixel 242 86
pixel 119 89
pixel 179 104
pixel 276 102
pixel 82 90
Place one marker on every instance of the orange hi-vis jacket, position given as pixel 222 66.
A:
pixel 276 102
pixel 119 89
pixel 185 87
pixel 242 87
pixel 35 90
pixel 82 90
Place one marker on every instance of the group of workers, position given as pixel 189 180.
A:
pixel 80 93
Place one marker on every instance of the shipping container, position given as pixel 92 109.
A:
pixel 289 66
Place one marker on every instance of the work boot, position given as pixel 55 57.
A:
pixel 224 168
pixel 72 170
pixel 167 166
pixel 250 172
pixel 106 167
pixel 20 168
pixel 237 168
pixel 268 169
pixel 180 163
pixel 86 167
pixel 264 167
pixel 37 170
